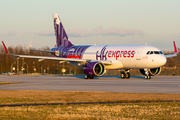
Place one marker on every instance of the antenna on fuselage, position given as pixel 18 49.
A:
pixel 145 43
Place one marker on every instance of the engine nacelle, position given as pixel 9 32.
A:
pixel 152 72
pixel 94 69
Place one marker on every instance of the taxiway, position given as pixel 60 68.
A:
pixel 136 84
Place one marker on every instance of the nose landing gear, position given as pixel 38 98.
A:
pixel 147 76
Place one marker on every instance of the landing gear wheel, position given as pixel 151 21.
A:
pixel 147 77
pixel 123 75
pixel 127 75
pixel 91 77
pixel 86 76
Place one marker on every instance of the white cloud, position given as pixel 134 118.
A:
pixel 97 31
pixel 45 33
pixel 27 32
pixel 100 31
pixel 9 33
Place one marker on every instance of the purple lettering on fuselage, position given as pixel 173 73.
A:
pixel 71 52
pixel 102 55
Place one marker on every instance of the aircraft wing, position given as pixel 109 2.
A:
pixel 175 50
pixel 171 55
pixel 41 58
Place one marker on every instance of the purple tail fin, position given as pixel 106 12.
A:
pixel 61 36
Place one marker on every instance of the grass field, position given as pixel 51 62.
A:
pixel 165 111
pixel 97 111
pixel 31 96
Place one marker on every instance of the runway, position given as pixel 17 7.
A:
pixel 136 84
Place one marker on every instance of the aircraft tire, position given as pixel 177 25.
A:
pixel 86 76
pixel 123 75
pixel 91 77
pixel 147 77
pixel 127 75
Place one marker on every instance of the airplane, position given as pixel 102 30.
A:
pixel 96 59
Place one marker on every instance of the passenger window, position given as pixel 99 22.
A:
pixel 147 52
pixel 151 52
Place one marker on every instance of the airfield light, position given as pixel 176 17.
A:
pixel 14 68
pixel 63 70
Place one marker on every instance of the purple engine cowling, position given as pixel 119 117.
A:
pixel 152 71
pixel 94 69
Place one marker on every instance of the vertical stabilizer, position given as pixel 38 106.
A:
pixel 60 33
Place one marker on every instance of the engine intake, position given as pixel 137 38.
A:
pixel 94 69
pixel 152 72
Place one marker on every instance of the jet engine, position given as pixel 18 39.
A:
pixel 94 69
pixel 152 72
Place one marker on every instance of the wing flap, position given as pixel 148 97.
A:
pixel 107 62
pixel 50 58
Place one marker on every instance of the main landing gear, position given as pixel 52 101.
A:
pixel 125 74
pixel 87 77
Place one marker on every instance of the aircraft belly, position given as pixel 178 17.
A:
pixel 133 63
pixel 116 64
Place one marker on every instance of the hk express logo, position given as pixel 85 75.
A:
pixel 114 54
pixel 102 55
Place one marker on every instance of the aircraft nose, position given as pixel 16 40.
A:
pixel 162 60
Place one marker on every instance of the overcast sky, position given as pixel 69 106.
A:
pixel 101 22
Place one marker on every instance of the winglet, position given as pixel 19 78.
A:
pixel 5 48
pixel 175 49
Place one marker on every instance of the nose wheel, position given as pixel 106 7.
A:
pixel 147 77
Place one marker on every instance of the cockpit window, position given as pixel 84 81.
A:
pixel 151 52
pixel 147 52
pixel 156 52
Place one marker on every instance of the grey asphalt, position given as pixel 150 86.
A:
pixel 136 84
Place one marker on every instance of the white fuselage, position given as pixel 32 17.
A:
pixel 132 56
